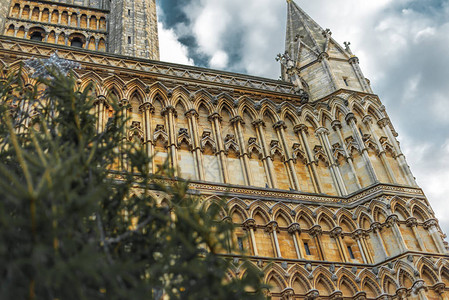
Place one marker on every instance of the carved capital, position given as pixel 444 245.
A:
pixel 168 109
pixel 383 122
pixel 376 226
pixel 391 220
pixel 147 106
pixel 418 286
pixel 322 131
pixel 293 228
pixel 237 119
pixel 279 124
pixel 298 128
pixel 192 113
pixel 411 222
pixel 350 117
pixel 249 224
pixel 312 295
pixel 430 223
pixel 357 234
pixel 368 120
pixel 123 103
pixel 439 287
pixel 258 123
pixel 272 226
pixel 336 125
pixel 353 60
pixel 336 232
pixel 215 116
pixel 287 294
pixel 316 230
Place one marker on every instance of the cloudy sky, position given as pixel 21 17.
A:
pixel 403 46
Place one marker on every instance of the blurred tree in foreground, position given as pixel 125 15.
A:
pixel 72 229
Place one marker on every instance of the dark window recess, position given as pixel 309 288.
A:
pixel 351 254
pixel 129 40
pixel 240 243
pixel 36 36
pixel 76 42
pixel 361 133
pixel 129 12
pixel 346 81
pixel 306 247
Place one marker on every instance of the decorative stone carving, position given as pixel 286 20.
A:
pixel 336 232
pixel 272 226
pixel 312 295
pixel 338 151
pixel 320 155
pixel 298 128
pixel 298 153
pixel 160 134
pixel 206 139
pixel 254 147
pixel 411 222
pixel 315 230
pixel 275 149
pixel 249 224
pixel 135 131
pixel 294 227
pixel 352 145
pixel 230 143
pixel 183 137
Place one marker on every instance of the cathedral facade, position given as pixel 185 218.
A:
pixel 323 199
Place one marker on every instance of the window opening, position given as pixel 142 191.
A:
pixel 240 243
pixel 345 79
pixel 306 247
pixel 36 36
pixel 76 42
pixel 351 254
pixel 129 40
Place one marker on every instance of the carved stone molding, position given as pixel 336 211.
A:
pixel 316 230
pixel 336 125
pixel 249 224
pixel 302 127
pixel 258 123
pixel 336 232
pixel 279 124
pixel 146 106
pixel 350 117
pixel 192 113
pixel 295 227
pixel 430 223
pixel 272 226
pixel 411 222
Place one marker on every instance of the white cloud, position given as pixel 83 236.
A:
pixel 171 49
pixel 219 60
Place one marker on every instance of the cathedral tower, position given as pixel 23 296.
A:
pixel 126 27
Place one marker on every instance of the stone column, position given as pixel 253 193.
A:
pixel 280 127
pixel 385 125
pixel 124 108
pixel 301 131
pixel 413 224
pixel 170 113
pixel 324 60
pixel 295 230
pixel 431 226
pixel 336 235
pixel 354 62
pixel 352 121
pixel 244 157
pixel 366 244
pixel 250 225
pixel 322 134
pixel 216 120
pixel 147 109
pixel 192 117
pixel 272 228
pixel 336 125
pixel 357 235
pixel 368 121
pixel 316 233
pixel 392 221
pixel 376 227
pixel 266 160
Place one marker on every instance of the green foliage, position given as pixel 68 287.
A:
pixel 70 228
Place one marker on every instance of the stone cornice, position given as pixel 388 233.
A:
pixel 27 48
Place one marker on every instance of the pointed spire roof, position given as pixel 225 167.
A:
pixel 301 26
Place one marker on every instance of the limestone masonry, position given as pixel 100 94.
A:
pixel 321 193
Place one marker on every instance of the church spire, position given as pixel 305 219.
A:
pixel 301 27
pixel 314 62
